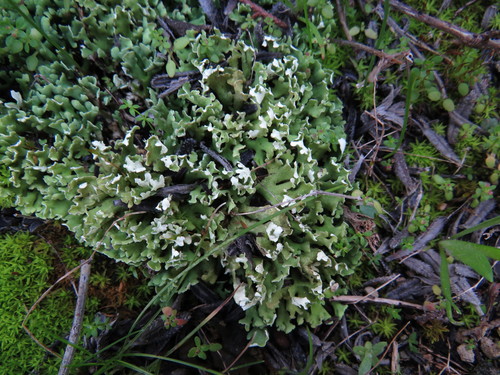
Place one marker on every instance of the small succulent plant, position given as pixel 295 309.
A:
pixel 233 135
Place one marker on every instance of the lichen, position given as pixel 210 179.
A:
pixel 240 140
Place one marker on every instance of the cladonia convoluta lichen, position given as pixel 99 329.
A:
pixel 246 134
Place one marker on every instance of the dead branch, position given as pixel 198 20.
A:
pixel 228 368
pixel 466 37
pixel 32 308
pixel 385 301
pixel 413 39
pixel 77 319
pixel 343 21
pixel 393 59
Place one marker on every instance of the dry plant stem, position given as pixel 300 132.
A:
pixel 447 367
pixel 385 301
pixel 379 136
pixel 394 358
pixel 42 297
pixel 460 370
pixel 205 231
pixel 391 58
pixel 381 286
pixel 350 336
pixel 98 245
pixel 330 330
pixel 343 21
pixel 72 281
pixel 239 355
pixel 76 328
pixel 468 4
pixel 205 321
pixel 261 12
pixel 398 30
pixel 466 37
pixel 67 274
pixel 41 344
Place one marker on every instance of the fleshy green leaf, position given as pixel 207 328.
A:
pixel 32 62
pixel 181 43
pixel 366 364
pixel 15 45
pixel 171 67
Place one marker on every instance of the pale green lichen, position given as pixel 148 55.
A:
pixel 65 165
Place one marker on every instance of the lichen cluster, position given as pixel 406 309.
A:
pixel 248 133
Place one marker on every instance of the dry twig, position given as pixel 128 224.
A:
pixel 385 301
pixel 228 368
pixel 42 297
pixel 466 37
pixel 392 59
pixel 414 41
pixel 77 319
pixel 343 21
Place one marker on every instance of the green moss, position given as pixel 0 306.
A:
pixel 27 265
pixel 421 154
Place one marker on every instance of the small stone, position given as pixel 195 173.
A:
pixel 466 353
pixel 371 291
pixel 490 348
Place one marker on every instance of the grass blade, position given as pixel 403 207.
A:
pixel 187 364
pixel 484 224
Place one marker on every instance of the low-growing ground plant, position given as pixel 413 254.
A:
pixel 225 169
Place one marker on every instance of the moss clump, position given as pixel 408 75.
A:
pixel 27 266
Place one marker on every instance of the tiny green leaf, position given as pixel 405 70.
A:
pixel 480 107
pixel 448 105
pixel 32 62
pixel 193 352
pixel 213 347
pixel 366 364
pixel 370 33
pixel 15 45
pixel 181 43
pixel 171 68
pixel 327 11
pixel 354 31
pixel 379 347
pixel 438 179
pixel 434 95
pixel 463 89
